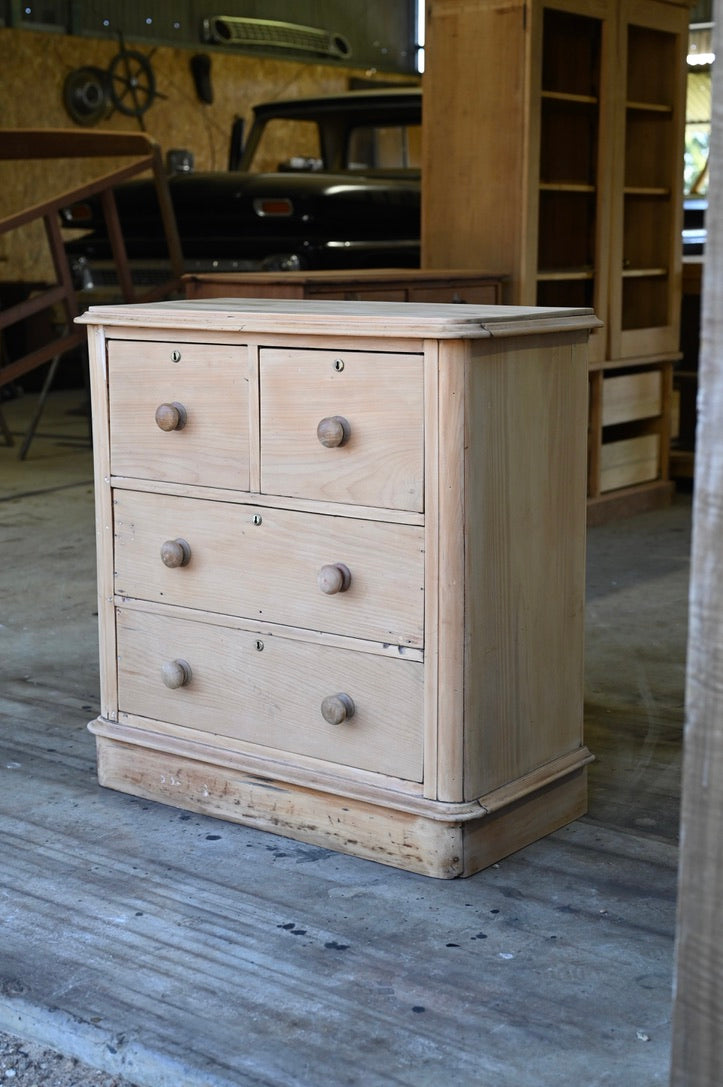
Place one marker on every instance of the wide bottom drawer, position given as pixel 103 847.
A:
pixel 275 691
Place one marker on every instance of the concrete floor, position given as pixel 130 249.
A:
pixel 177 950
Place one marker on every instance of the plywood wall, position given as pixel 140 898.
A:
pixel 34 66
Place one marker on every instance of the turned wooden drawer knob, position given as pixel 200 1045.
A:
pixel 175 553
pixel 333 431
pixel 176 673
pixel 337 708
pixel 171 416
pixel 335 578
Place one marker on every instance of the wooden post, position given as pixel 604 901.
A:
pixel 698 1013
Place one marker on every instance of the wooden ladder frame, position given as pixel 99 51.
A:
pixel 26 144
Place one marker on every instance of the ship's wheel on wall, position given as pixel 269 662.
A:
pixel 128 85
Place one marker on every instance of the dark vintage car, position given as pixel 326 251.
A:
pixel 326 182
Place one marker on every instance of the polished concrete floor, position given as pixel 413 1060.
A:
pixel 179 951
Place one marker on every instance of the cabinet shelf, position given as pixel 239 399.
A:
pixel 573 99
pixel 650 107
pixel 567 186
pixel 644 273
pixel 558 275
pixel 658 191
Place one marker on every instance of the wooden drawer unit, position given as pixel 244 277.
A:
pixel 343 601
pixel 629 437
pixel 355 285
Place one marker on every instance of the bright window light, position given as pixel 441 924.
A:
pixel 419 35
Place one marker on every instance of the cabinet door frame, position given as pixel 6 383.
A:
pixel 663 336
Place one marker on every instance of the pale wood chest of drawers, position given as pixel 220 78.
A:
pixel 341 554
pixel 355 285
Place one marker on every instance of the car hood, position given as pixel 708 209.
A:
pixel 221 216
pixel 228 202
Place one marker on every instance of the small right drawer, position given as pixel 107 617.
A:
pixel 343 426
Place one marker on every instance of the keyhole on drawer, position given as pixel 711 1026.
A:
pixel 175 356
pixel 256 519
pixel 259 645
pixel 338 365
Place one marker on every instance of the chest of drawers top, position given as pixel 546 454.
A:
pixel 261 316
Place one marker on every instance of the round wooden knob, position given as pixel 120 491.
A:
pixel 176 673
pixel 171 416
pixel 333 431
pixel 335 578
pixel 175 553
pixel 337 708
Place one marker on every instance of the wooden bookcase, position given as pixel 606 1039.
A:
pixel 567 157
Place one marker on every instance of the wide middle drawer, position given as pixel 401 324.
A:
pixel 342 575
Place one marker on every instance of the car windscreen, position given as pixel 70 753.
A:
pixel 384 147
pixel 288 144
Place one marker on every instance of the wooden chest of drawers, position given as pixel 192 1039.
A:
pixel 356 285
pixel 341 567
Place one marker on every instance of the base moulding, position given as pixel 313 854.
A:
pixel 435 844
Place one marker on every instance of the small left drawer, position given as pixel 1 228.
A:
pixel 179 412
